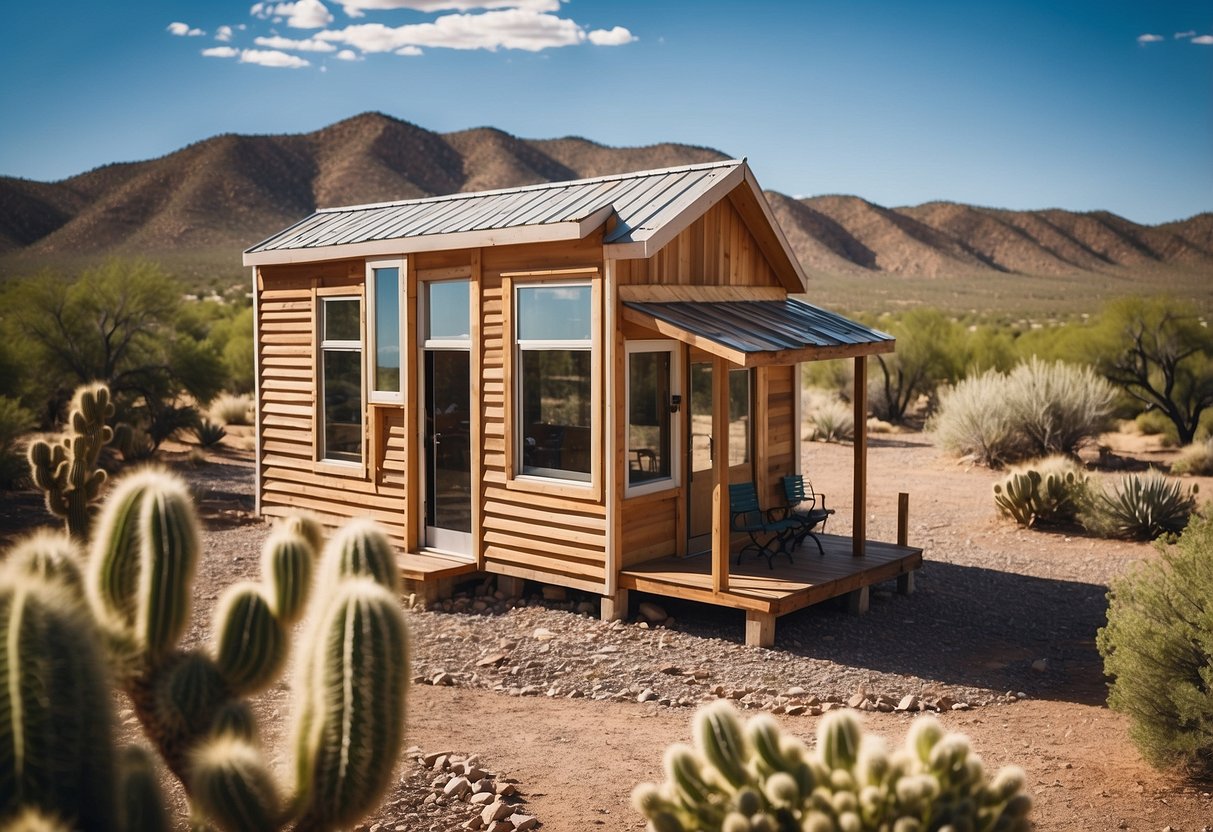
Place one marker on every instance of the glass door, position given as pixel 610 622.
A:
pixel 702 445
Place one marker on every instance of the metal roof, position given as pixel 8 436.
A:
pixel 642 202
pixel 757 332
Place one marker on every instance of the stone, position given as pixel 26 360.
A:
pixel 482 798
pixel 909 702
pixel 523 823
pixel 671 670
pixel 474 824
pixel 500 826
pixel 492 660
pixel 496 811
pixel 647 695
pixel 795 710
pixel 430 759
pixel 961 706
pixel 543 634
pixel 857 700
pixel 506 790
pixel 1041 665
pixel 457 788
pixel 651 612
pixel 945 703
pixel 443 679
pixel 794 692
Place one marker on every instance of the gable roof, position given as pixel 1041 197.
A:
pixel 649 209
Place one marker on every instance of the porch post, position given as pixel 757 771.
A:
pixel 859 507
pixel 720 475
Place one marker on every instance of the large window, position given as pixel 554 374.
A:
pixel 341 379
pixel 383 289
pixel 651 420
pixel 553 410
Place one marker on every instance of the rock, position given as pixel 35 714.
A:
pixel 500 826
pixel 909 702
pixel 457 788
pixel 671 670
pixel 795 710
pixel 543 634
pixel 443 679
pixel 492 660
pixel 1041 665
pixel 474 824
pixel 945 703
pixel 651 612
pixel 496 811
pixel 647 695
pixel 429 759
pixel 482 798
pixel 522 823
pixel 506 790
pixel 961 706
pixel 857 700
pixel 794 692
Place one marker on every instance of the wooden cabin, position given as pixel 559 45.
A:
pixel 555 383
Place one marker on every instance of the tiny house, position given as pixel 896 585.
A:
pixel 555 383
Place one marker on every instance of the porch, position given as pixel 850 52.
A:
pixel 766 593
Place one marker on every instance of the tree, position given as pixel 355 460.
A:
pixel 1161 354
pixel 929 352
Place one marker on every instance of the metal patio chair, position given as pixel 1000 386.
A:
pixel 769 535
pixel 801 503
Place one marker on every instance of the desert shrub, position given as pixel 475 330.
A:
pixel 1035 410
pixel 930 352
pixel 754 777
pixel 1048 492
pixel 208 433
pixel 836 375
pixel 15 422
pixel 1158 649
pixel 1153 422
pixel 232 410
pixel 66 643
pixel 830 420
pixel 1140 507
pixel 1195 459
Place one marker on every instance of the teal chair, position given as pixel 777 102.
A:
pixel 769 535
pixel 801 503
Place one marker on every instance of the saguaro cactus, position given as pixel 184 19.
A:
pixel 353 672
pixel 66 468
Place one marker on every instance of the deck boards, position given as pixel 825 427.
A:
pixel 809 579
pixel 418 567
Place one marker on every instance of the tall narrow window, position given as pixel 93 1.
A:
pixel 383 288
pixel 341 379
pixel 553 409
pixel 652 380
pixel 739 417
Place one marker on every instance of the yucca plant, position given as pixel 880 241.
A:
pixel 755 778
pixel 1141 507
pixel 132 605
pixel 208 433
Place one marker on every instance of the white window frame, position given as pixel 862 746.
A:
pixel 672 481
pixel 335 345
pixel 520 346
pixel 384 396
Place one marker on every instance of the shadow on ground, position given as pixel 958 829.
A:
pixel 964 625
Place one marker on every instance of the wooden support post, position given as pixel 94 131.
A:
pixel 511 586
pixel 859 508
pixel 858 601
pixel 905 583
pixel 720 475
pixel 759 629
pixel 615 607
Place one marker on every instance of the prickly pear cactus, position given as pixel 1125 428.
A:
pixel 134 600
pixel 66 468
pixel 755 778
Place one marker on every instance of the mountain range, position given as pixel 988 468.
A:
pixel 227 192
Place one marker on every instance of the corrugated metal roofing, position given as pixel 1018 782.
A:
pixel 642 203
pixel 763 326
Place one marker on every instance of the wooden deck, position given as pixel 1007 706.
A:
pixel 430 575
pixel 766 593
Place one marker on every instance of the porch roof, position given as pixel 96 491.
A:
pixel 754 333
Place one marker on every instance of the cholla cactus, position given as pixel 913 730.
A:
pixel 755 778
pixel 138 587
pixel 66 469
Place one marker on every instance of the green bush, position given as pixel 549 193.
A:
pixel 754 777
pixel 1158 649
pixel 1048 492
pixel 1154 422
pixel 1140 507
pixel 232 410
pixel 1195 459
pixel 15 422
pixel 973 421
pixel 830 420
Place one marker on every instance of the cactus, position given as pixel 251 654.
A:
pixel 1016 496
pixel 850 783
pixel 66 469
pixel 353 673
pixel 1047 492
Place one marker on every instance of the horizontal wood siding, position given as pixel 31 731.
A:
pixel 650 528
pixel 558 539
pixel 782 434
pixel 716 250
pixel 290 477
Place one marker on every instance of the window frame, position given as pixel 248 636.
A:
pixel 324 345
pixel 371 347
pixel 518 346
pixel 673 348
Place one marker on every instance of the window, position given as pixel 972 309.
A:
pixel 447 313
pixel 341 379
pixel 383 289
pixel 651 420
pixel 739 417
pixel 553 410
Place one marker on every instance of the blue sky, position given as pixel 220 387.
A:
pixel 1079 105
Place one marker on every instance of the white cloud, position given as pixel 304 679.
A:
pixel 1191 33
pixel 1149 38
pixel 409 51
pixel 1204 40
pixel 505 29
pixel 272 57
pixel 611 37
pixel 223 34
pixel 357 8
pixel 347 55
pixel 304 14
pixel 221 52
pixel 183 30
pixel 306 45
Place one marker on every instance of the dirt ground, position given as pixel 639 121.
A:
pixel 992 599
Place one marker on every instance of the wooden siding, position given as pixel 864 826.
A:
pixel 651 526
pixel 777 435
pixel 716 250
pixel 531 530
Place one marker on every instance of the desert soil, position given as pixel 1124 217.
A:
pixel 1003 620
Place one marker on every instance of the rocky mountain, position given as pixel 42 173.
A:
pixel 230 191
